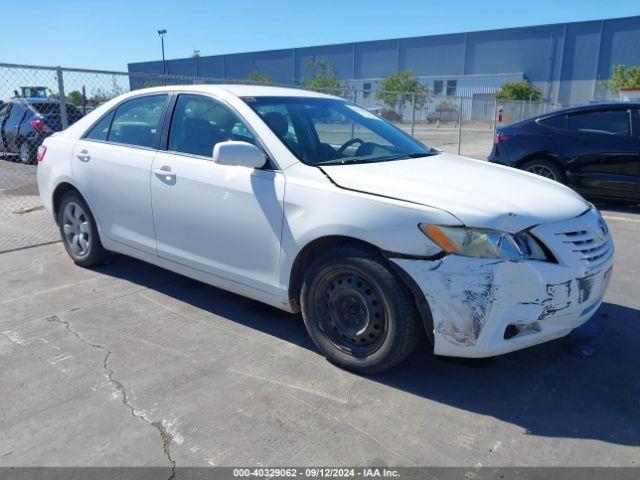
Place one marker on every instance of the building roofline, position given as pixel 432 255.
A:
pixel 397 39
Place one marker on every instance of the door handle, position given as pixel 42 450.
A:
pixel 84 156
pixel 166 174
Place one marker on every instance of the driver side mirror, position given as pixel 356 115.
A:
pixel 241 154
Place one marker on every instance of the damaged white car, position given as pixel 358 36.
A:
pixel 310 203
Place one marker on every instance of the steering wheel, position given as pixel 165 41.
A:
pixel 348 143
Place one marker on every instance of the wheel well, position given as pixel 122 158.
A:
pixel 57 196
pixel 317 247
pixel 307 256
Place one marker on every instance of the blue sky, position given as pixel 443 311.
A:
pixel 109 34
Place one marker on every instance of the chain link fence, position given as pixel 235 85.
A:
pixel 37 101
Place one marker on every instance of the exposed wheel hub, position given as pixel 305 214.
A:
pixel 353 315
pixel 349 310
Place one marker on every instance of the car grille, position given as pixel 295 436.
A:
pixel 592 249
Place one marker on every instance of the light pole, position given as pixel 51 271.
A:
pixel 162 33
pixel 196 56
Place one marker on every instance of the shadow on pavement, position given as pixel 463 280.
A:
pixel 548 390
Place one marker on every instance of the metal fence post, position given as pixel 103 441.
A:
pixel 413 113
pixel 353 123
pixel 63 99
pixel 460 126
pixel 495 116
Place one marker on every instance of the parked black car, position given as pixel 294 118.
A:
pixel 26 122
pixel 594 148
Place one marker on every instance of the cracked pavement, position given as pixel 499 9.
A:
pixel 129 365
pixel 166 437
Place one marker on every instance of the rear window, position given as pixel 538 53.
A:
pixel 136 121
pixel 49 108
pixel 613 122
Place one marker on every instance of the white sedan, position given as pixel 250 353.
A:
pixel 310 203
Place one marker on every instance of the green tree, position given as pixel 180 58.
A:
pixel 399 88
pixel 447 111
pixel 623 76
pixel 521 90
pixel 323 77
pixel 75 97
pixel 99 96
pixel 259 78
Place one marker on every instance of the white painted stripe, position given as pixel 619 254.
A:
pixel 622 219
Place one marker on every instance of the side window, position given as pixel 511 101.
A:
pixel 613 122
pixel 278 119
pixel 137 121
pixel 199 122
pixel 100 130
pixel 15 116
pixel 559 121
pixel 438 86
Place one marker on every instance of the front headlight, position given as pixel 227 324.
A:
pixel 485 243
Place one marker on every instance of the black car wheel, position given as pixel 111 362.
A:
pixel 27 154
pixel 544 168
pixel 357 312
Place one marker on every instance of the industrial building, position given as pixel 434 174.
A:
pixel 567 61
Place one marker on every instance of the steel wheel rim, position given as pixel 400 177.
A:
pixel 543 171
pixel 77 233
pixel 351 312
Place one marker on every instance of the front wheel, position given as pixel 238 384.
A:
pixel 358 313
pixel 79 231
pixel 544 168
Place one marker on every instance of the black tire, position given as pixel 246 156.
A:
pixel 84 228
pixel 27 154
pixel 544 168
pixel 390 325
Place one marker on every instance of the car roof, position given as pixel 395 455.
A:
pixel 35 100
pixel 241 90
pixel 590 106
pixel 578 108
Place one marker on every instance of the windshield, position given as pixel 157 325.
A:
pixel 326 131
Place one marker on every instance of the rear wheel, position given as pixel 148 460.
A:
pixel 27 154
pixel 544 168
pixel 79 232
pixel 357 312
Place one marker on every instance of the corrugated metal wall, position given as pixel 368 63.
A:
pixel 567 61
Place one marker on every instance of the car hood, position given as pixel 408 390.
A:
pixel 478 193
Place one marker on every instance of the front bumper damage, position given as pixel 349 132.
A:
pixel 486 307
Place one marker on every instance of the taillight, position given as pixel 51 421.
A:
pixel 42 151
pixel 38 125
pixel 500 138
